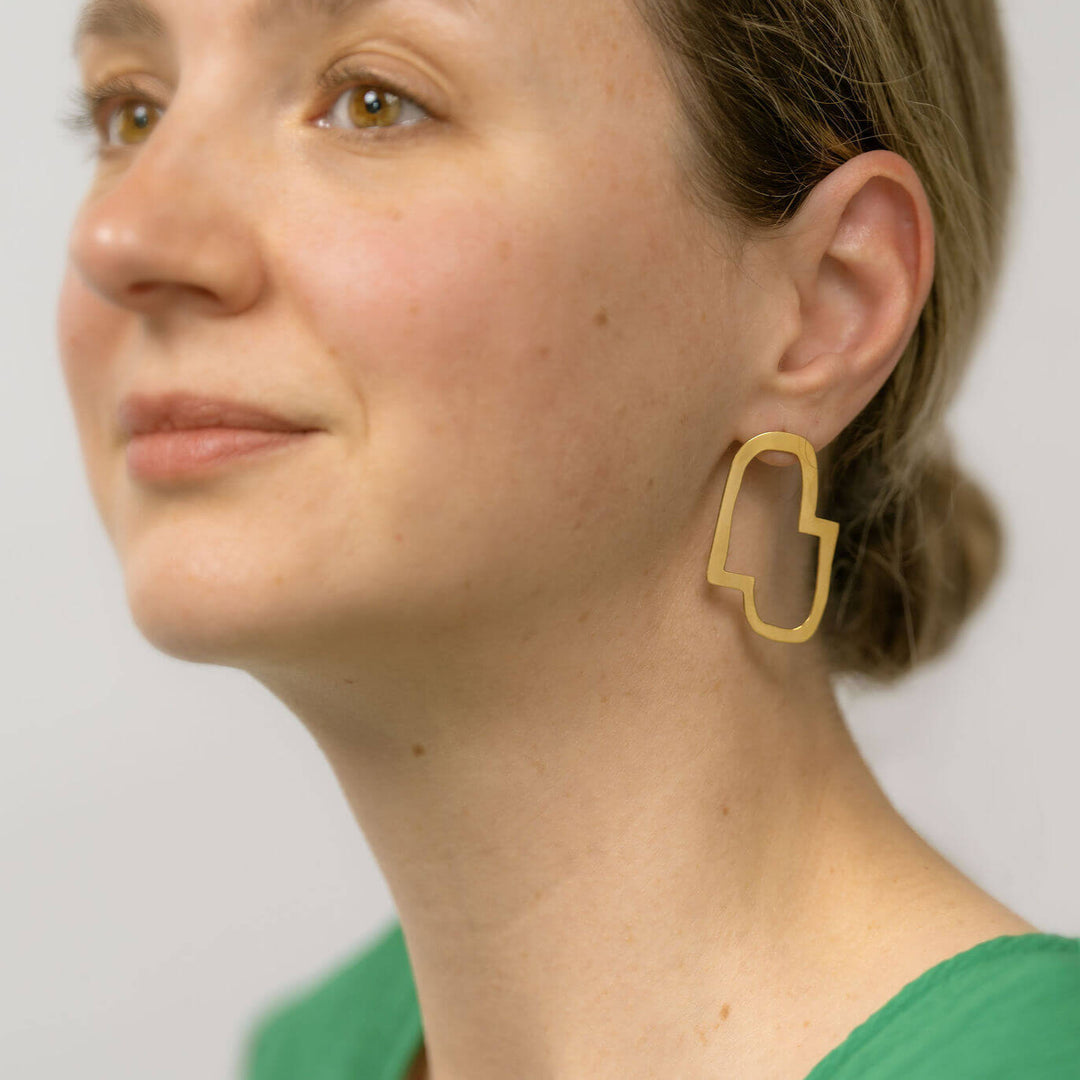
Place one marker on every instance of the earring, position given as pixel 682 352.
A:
pixel 809 523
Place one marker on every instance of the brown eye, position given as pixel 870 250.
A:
pixel 133 121
pixel 374 107
pixel 371 105
pixel 118 107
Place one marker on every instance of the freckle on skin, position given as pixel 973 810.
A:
pixel 725 811
pixel 583 616
pixel 601 318
pixel 603 698
pixel 418 750
pixel 724 1011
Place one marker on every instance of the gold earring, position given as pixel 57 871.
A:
pixel 809 523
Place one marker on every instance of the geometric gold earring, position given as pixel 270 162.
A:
pixel 809 523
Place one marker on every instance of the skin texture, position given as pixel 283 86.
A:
pixel 481 586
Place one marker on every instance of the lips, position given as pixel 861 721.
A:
pixel 141 414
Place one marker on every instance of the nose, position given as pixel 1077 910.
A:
pixel 169 226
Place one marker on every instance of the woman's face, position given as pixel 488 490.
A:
pixel 518 342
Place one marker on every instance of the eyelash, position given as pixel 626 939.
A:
pixel 85 115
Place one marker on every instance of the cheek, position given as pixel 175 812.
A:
pixel 79 323
pixel 507 348
pixel 90 335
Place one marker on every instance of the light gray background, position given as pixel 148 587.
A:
pixel 176 851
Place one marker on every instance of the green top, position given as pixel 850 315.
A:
pixel 1006 1009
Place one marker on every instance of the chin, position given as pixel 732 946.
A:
pixel 205 610
pixel 202 630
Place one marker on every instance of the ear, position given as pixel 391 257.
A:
pixel 855 265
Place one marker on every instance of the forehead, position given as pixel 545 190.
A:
pixel 141 20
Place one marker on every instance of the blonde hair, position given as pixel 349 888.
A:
pixel 775 95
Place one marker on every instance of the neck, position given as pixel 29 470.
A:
pixel 606 807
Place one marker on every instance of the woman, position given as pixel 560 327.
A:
pixel 516 288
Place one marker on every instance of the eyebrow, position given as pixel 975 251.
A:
pixel 137 20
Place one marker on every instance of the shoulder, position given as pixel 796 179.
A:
pixel 336 1023
pixel 1007 1008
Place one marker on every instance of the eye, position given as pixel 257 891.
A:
pixel 380 106
pixel 89 113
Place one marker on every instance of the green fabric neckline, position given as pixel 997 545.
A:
pixel 930 979
pixel 410 1031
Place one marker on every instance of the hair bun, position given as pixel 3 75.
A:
pixel 912 571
